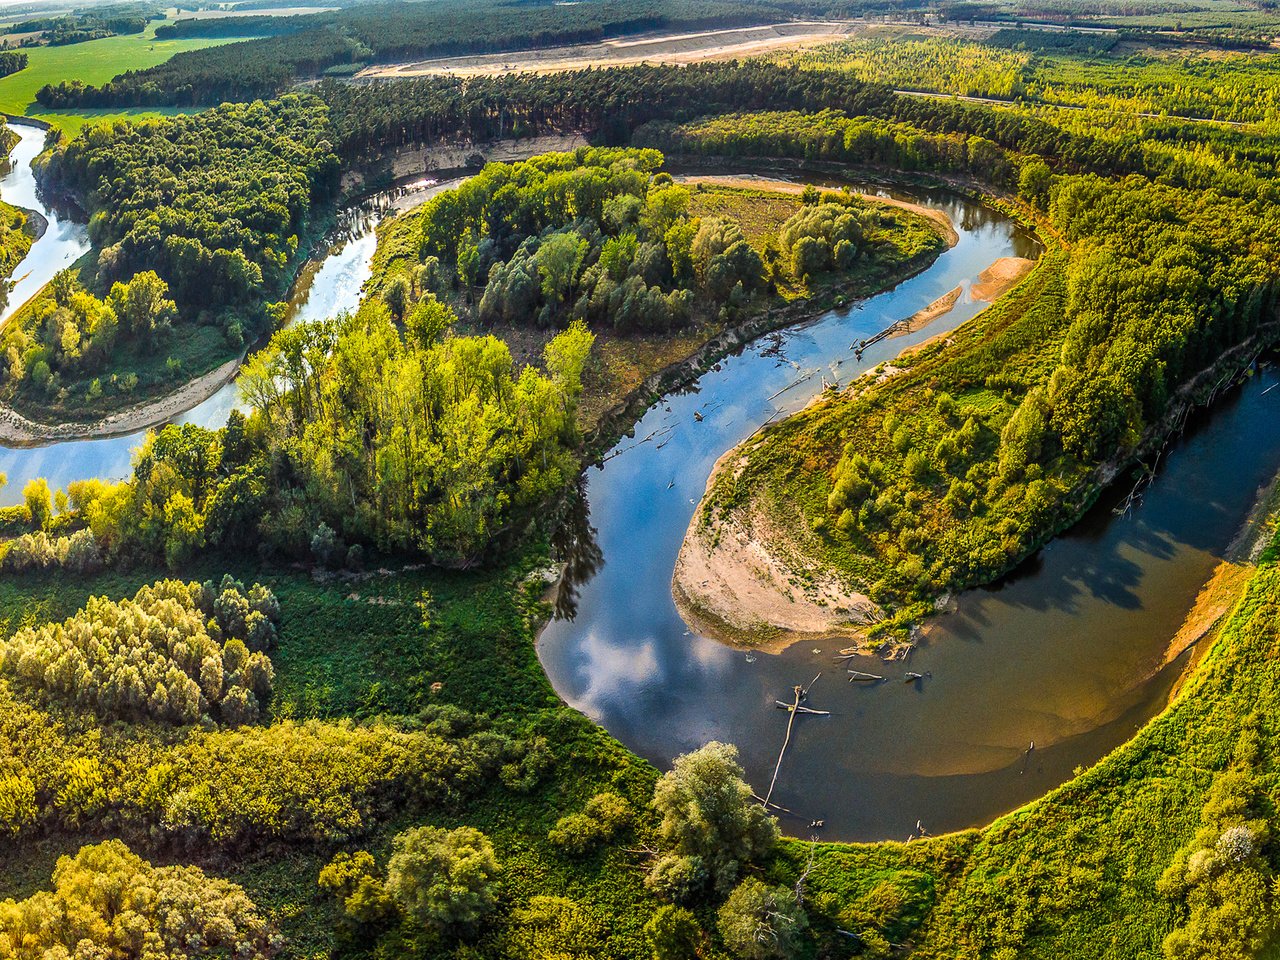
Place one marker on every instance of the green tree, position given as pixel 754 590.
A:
pixel 39 503
pixel 397 294
pixel 443 878
pixel 1034 181
pixel 566 357
pixel 559 260
pixel 142 304
pixel 707 812
pixel 673 933
pixel 760 922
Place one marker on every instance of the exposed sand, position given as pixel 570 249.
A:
pixel 727 585
pixel 17 430
pixel 1220 594
pixel 661 48
pixel 1000 277
pixel 939 308
pixel 408 162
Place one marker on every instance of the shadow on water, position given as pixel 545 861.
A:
pixel 1065 652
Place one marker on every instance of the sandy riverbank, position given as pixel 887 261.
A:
pixel 17 430
pixel 731 582
pixel 939 308
pixel 735 579
pixel 1000 277
pixel 728 585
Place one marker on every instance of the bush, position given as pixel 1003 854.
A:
pixel 443 878
pixel 759 922
pixel 601 819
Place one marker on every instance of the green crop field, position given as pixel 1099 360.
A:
pixel 94 62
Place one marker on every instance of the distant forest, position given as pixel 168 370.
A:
pixel 289 48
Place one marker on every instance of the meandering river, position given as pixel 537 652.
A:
pixel 1065 653
pixel 323 290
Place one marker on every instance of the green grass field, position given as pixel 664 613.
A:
pixel 94 62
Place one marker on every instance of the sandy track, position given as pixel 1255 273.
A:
pixel 663 48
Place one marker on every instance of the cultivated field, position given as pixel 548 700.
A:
pixel 94 62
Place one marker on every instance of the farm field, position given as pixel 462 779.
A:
pixel 94 62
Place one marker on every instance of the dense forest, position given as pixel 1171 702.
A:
pixel 198 225
pixel 365 434
pixel 599 236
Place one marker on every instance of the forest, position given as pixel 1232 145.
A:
pixel 199 225
pixel 277 692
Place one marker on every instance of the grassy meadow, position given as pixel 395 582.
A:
pixel 94 62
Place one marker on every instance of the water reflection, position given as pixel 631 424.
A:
pixel 1067 651
pixel 575 547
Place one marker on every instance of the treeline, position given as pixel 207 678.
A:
pixel 365 434
pixel 215 204
pixel 11 61
pixel 176 653
pixel 942 64
pixel 369 118
pixel 831 136
pixel 383 33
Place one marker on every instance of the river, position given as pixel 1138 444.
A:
pixel 323 289
pixel 1065 653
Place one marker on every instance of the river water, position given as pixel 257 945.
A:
pixel 1066 653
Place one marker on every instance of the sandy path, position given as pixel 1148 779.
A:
pixel 664 48
pixel 17 430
